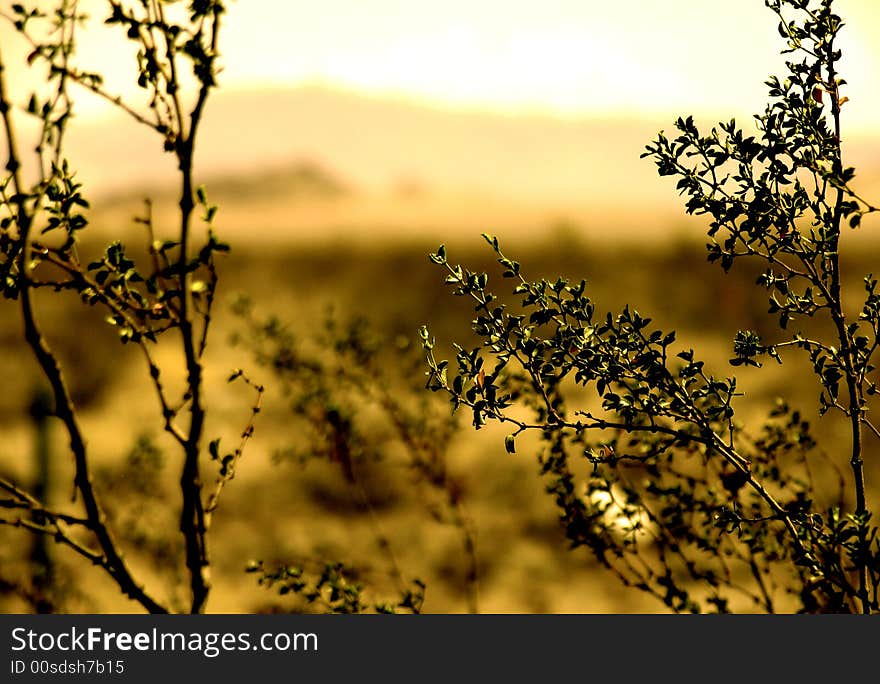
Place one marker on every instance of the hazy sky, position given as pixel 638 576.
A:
pixel 567 57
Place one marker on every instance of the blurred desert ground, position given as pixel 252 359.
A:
pixel 334 199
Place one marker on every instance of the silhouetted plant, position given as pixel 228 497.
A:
pixel 165 301
pixel 680 499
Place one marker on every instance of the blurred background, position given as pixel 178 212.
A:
pixel 346 142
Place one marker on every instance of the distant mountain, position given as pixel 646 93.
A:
pixel 257 144
pixel 382 143
pixel 294 181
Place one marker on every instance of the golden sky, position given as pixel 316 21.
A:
pixel 564 57
pixel 568 57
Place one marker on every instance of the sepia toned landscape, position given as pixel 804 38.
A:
pixel 331 198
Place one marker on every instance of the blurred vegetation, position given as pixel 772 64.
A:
pixel 290 511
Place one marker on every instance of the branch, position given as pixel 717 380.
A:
pixel 227 471
pixel 115 564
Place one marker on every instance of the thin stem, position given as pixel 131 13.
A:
pixel 228 469
pixel 839 317
pixel 192 521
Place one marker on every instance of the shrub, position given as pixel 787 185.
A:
pixel 353 403
pixel 680 498
pixel 158 299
